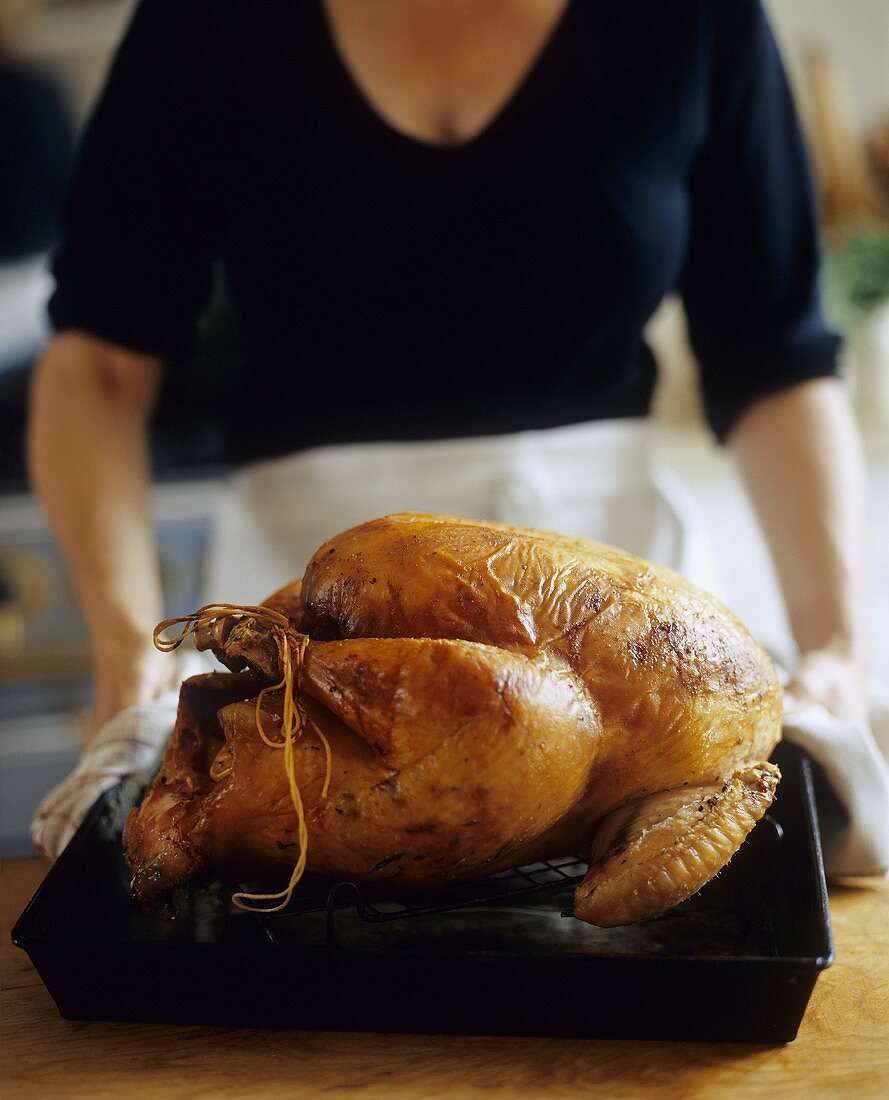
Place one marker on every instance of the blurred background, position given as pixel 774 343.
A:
pixel 53 58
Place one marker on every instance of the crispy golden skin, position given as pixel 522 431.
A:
pixel 490 695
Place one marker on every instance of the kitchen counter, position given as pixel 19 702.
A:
pixel 842 1049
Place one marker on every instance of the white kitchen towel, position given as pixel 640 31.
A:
pixel 128 743
pixel 858 774
pixel 131 741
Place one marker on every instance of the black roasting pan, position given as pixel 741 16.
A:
pixel 737 962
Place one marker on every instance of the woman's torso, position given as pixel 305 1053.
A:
pixel 395 289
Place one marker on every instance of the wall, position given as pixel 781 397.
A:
pixel 855 32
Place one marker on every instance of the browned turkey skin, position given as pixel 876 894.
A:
pixel 490 695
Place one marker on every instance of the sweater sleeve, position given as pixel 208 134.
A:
pixel 750 281
pixel 138 241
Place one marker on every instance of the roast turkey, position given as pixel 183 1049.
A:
pixel 467 697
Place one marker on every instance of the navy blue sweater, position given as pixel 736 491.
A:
pixel 393 290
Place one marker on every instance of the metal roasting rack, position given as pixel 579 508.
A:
pixel 377 905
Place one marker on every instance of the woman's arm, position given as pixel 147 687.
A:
pixel 133 270
pixel 87 451
pixel 801 460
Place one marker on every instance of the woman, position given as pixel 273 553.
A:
pixel 444 220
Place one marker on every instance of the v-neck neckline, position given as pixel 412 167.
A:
pixel 530 77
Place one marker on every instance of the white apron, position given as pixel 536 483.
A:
pixel 597 480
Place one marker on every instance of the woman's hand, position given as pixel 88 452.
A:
pixel 126 679
pixel 833 678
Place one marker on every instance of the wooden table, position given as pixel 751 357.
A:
pixel 842 1049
